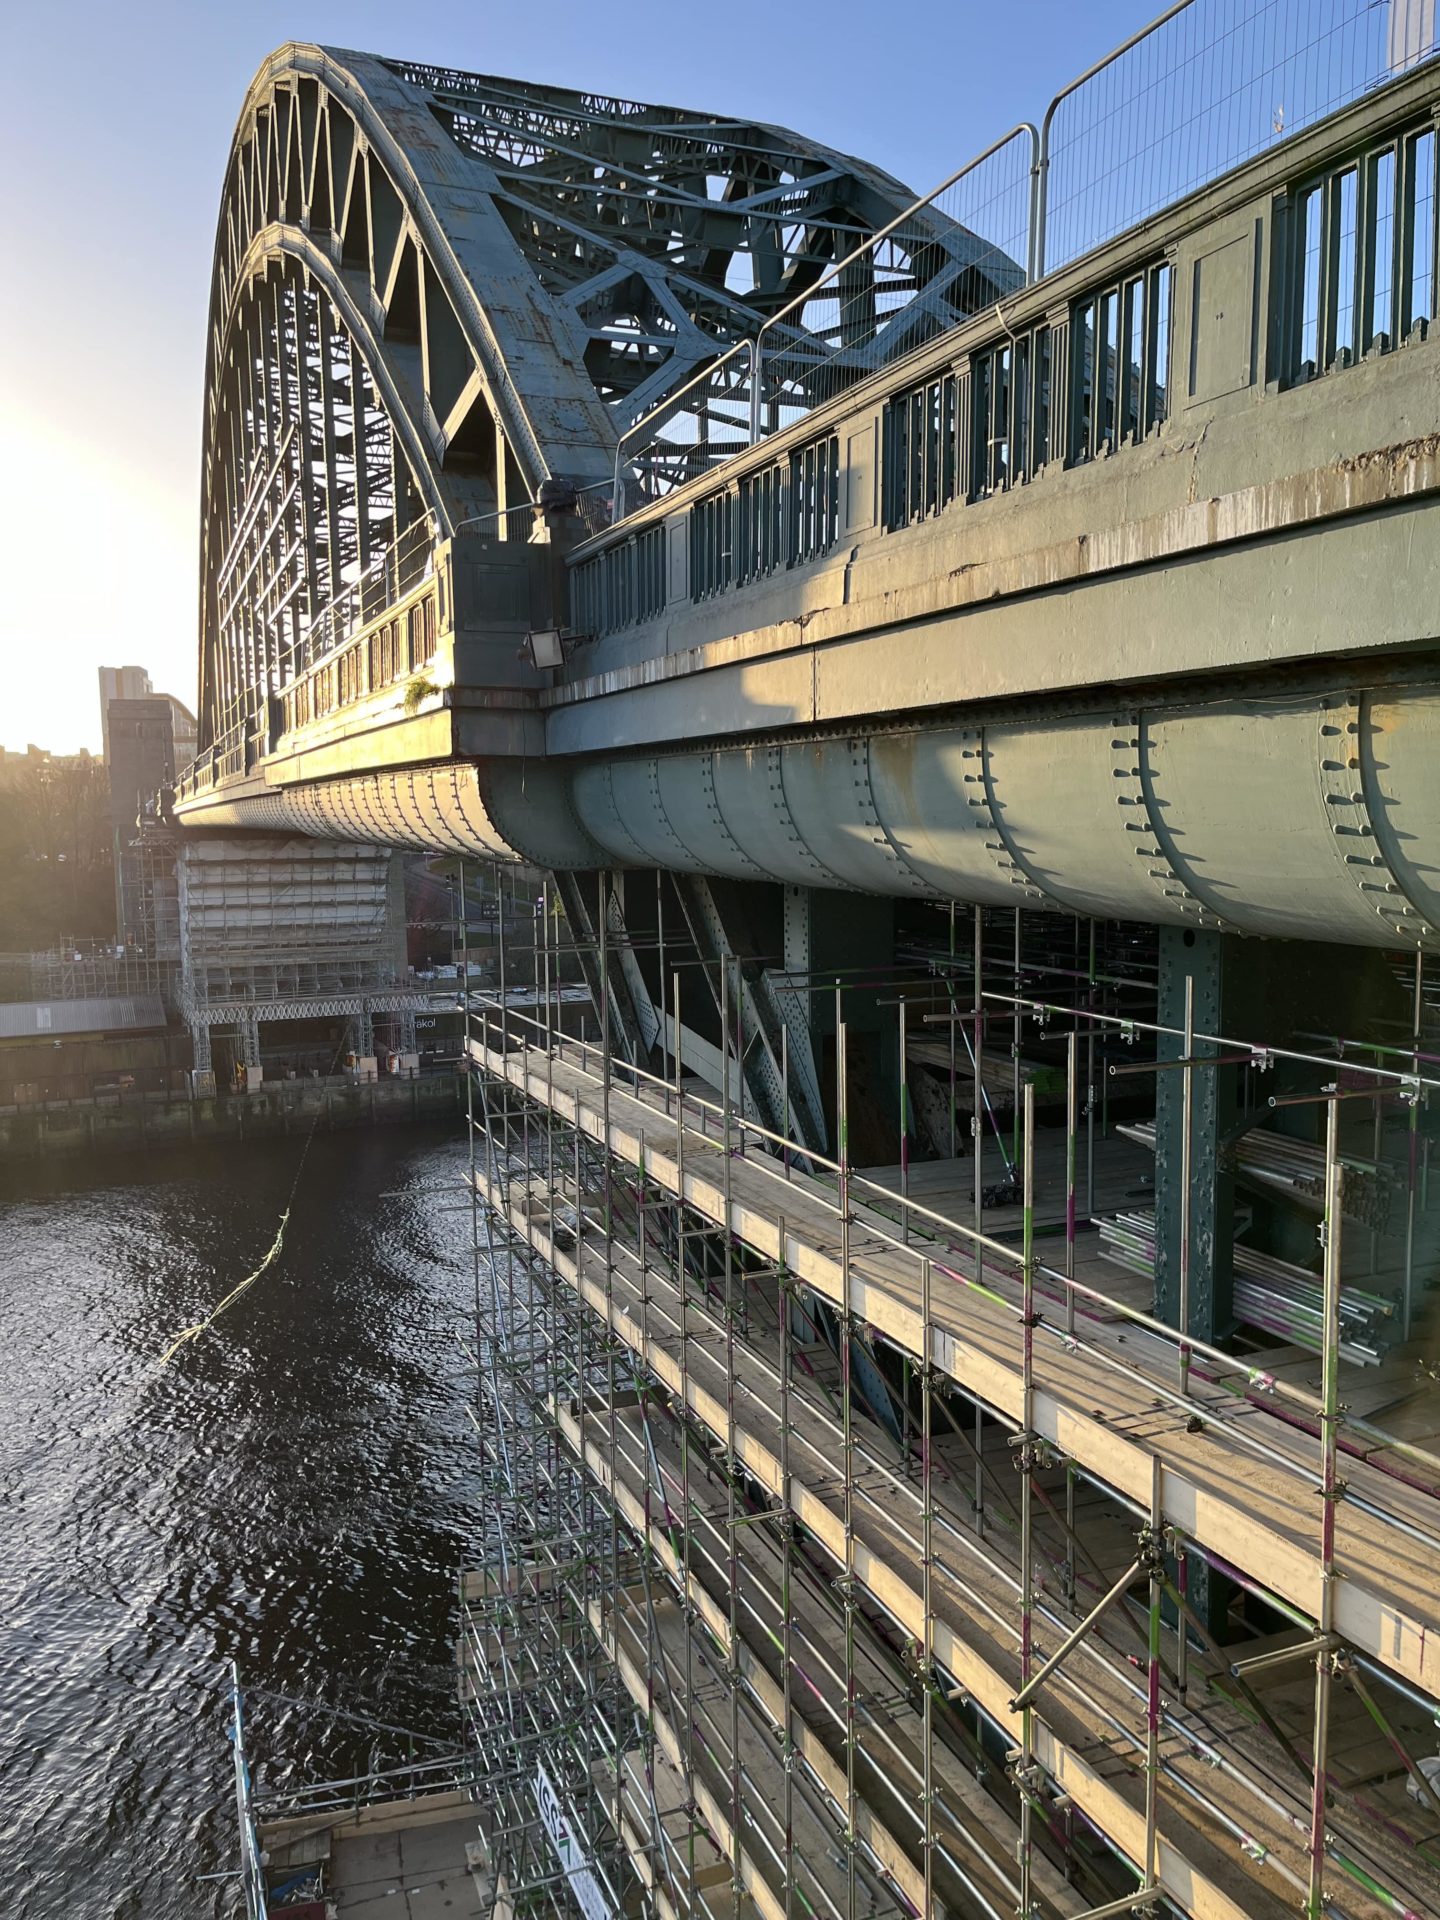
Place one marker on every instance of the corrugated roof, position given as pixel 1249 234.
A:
pixel 39 1019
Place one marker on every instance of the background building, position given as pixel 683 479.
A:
pixel 119 683
pixel 147 739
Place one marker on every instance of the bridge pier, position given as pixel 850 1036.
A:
pixel 1188 1164
pixel 295 933
pixel 204 1061
pixel 247 1046
pixel 1195 957
pixel 362 1032
pixel 830 938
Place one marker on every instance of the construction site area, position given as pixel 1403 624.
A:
pixel 859 1535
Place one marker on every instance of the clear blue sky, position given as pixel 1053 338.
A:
pixel 114 132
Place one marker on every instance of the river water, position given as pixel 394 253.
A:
pixel 292 1491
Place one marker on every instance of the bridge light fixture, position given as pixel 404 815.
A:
pixel 546 648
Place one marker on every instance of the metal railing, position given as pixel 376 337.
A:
pixel 211 763
pixel 252 1872
pixel 954 250
pixel 450 1772
pixel 908 1227
pixel 1206 86
pixel 518 524
pixel 409 559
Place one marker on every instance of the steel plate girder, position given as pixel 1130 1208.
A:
pixel 1292 817
pixel 1305 817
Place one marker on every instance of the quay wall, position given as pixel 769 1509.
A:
pixel 141 1121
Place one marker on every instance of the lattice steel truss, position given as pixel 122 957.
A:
pixel 433 291
pixel 310 488
pixel 672 234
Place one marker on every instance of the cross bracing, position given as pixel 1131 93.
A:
pixel 671 233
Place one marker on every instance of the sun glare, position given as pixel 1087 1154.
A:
pixel 103 571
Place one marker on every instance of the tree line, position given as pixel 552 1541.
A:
pixel 57 854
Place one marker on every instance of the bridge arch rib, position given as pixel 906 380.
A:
pixel 495 279
pixel 337 297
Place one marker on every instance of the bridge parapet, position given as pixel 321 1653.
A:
pixel 412 644
pixel 1304 264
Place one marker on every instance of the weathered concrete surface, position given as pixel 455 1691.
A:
pixel 1301 526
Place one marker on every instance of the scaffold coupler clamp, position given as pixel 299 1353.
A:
pixel 1029 1453
pixel 1150 1549
pixel 1024 1774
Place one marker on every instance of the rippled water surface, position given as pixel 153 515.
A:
pixel 292 1491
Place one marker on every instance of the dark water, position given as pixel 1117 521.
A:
pixel 292 1491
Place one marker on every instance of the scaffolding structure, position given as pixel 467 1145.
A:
pixel 78 970
pixel 273 929
pixel 158 906
pixel 555 1738
pixel 943 1573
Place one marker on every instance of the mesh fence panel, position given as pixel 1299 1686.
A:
pixel 1211 85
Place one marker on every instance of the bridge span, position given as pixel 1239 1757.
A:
pixel 1054 606
pixel 958 678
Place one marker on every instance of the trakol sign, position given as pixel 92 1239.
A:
pixel 570 1850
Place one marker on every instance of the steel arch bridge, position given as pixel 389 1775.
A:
pixel 1113 600
pixel 434 292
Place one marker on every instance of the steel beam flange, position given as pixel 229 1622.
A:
pixel 662 816
pixel 875 826
pixel 981 799
pixel 774 774
pixel 721 824
pixel 1342 790
pixel 615 820
pixel 1141 826
pixel 800 849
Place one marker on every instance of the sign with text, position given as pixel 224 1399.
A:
pixel 569 1850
